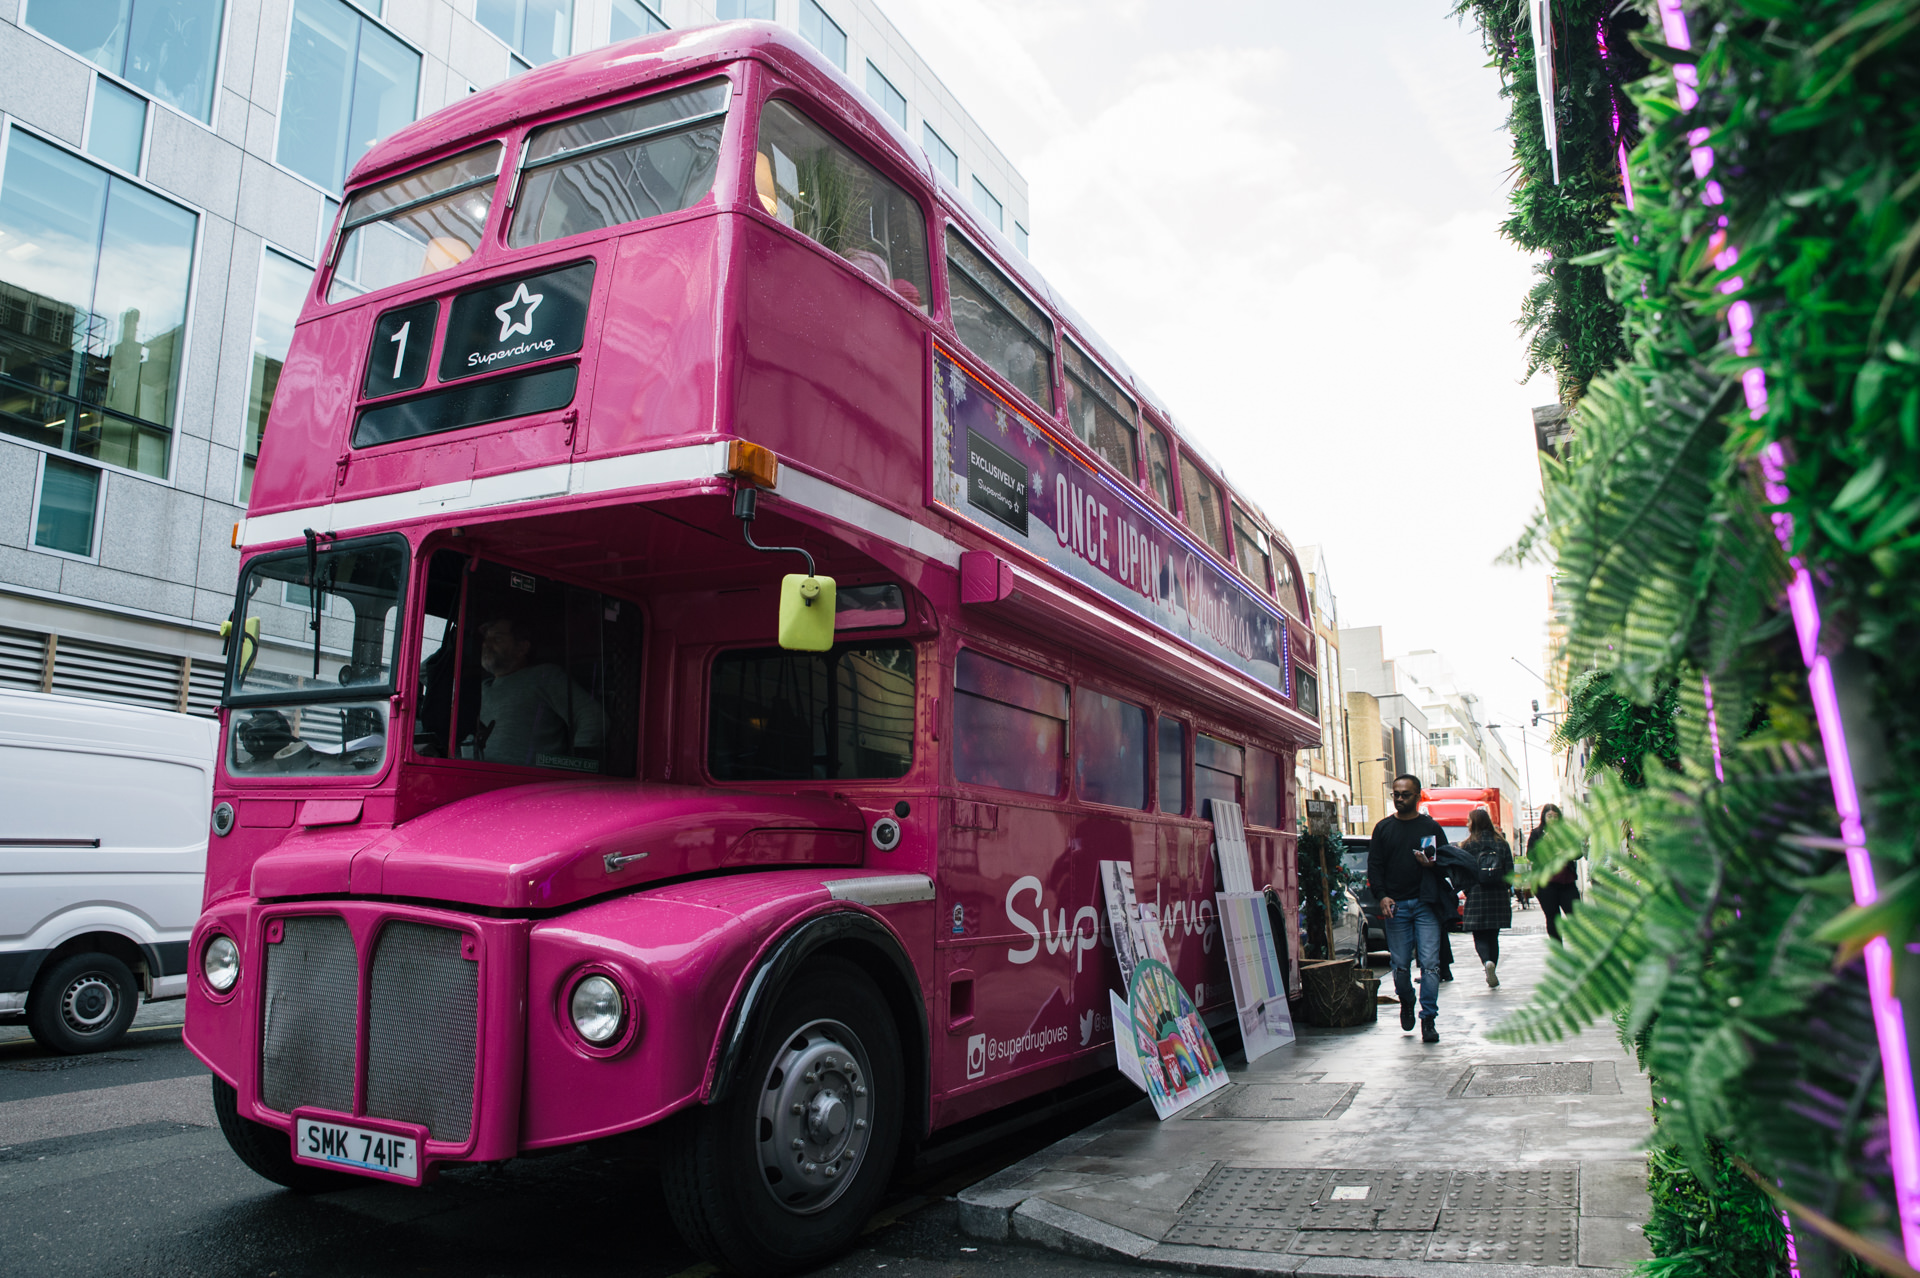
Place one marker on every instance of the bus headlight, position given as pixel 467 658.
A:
pixel 220 963
pixel 597 1009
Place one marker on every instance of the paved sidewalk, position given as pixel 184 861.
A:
pixel 1365 1153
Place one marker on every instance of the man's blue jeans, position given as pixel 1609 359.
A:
pixel 1415 920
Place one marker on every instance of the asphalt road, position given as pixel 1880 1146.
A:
pixel 113 1164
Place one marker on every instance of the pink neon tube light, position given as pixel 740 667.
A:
pixel 1903 1115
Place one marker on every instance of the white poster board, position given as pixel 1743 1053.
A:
pixel 1259 995
pixel 1230 844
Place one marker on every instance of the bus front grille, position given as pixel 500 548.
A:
pixel 423 1002
pixel 422 1023
pixel 308 1018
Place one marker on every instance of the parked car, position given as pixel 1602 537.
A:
pixel 1358 846
pixel 103 854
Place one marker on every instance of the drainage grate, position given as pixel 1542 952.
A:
pixel 1538 1078
pixel 1297 1101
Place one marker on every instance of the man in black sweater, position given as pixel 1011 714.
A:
pixel 1403 874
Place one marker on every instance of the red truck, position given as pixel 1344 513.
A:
pixel 1450 806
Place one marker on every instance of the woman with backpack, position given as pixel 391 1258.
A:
pixel 1489 899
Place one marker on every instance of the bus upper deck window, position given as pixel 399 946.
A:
pixel 820 189
pixel 415 225
pixel 1284 584
pixel 635 161
pixel 1160 468
pixel 1101 414
pixel 1204 508
pixel 1255 560
pixel 998 323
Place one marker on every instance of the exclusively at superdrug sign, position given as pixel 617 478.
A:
pixel 517 322
pixel 997 469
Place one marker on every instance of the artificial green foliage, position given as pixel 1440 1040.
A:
pixel 1623 735
pixel 1572 323
pixel 1341 879
pixel 1719 1228
pixel 1710 930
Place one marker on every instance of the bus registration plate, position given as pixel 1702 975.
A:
pixel 357 1149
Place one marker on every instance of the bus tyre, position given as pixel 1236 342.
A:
pixel 83 1003
pixel 270 1152
pixel 784 1173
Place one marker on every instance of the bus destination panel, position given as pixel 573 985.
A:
pixel 999 470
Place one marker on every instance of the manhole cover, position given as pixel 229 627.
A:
pixel 1515 1215
pixel 1521 1237
pixel 1539 1078
pixel 1282 1101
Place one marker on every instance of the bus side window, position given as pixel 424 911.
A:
pixel 1160 468
pixel 816 186
pixel 1204 513
pixel 1101 414
pixel 998 323
pixel 811 716
pixel 1217 768
pixel 1110 750
pixel 579 176
pixel 1263 788
pixel 1285 583
pixel 1009 726
pixel 1173 766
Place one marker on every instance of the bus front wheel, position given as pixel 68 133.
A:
pixel 784 1172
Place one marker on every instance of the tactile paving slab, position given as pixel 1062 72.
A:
pixel 1237 1239
pixel 1382 1246
pixel 1515 1188
pixel 1538 1078
pixel 1514 1237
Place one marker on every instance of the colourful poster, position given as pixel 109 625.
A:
pixel 1259 996
pixel 1000 470
pixel 1176 1054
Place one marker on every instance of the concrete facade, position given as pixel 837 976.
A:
pixel 1326 772
pixel 130 608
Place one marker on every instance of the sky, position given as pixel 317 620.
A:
pixel 1285 217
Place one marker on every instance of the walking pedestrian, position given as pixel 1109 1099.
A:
pixel 1489 899
pixel 1558 894
pixel 1403 874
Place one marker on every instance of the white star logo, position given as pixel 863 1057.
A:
pixel 504 312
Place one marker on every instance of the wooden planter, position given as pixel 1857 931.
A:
pixel 1336 993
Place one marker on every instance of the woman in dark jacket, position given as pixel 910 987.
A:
pixel 1490 900
pixel 1558 894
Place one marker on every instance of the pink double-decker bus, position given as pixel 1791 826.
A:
pixel 527 828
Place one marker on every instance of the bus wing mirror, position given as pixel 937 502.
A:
pixel 806 612
pixel 249 644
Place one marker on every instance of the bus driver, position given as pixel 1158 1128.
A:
pixel 531 713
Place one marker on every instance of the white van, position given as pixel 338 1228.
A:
pixel 103 854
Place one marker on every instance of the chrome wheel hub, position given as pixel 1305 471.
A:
pixel 88 1004
pixel 815 1120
